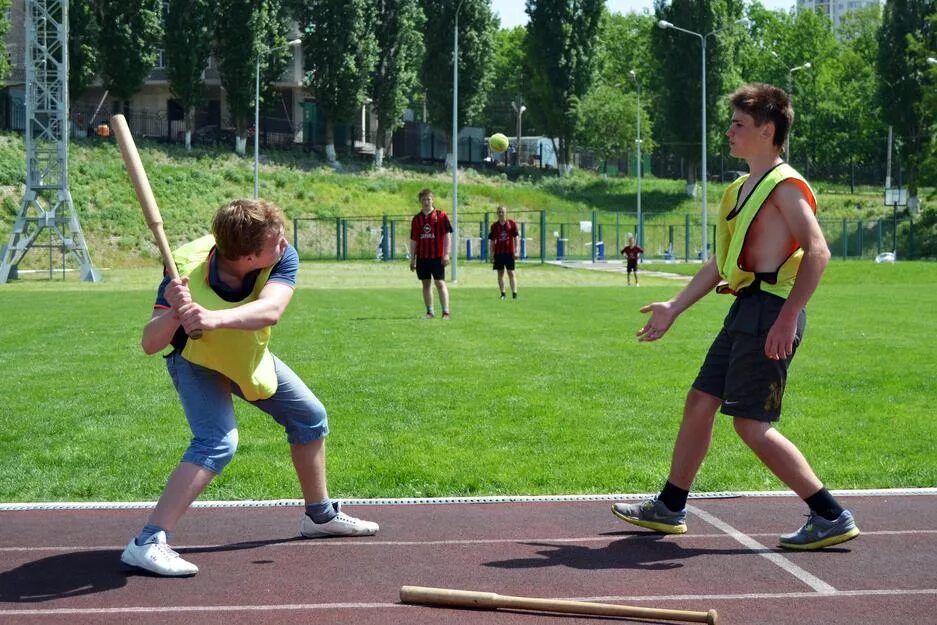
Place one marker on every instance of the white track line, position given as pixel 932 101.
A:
pixel 383 606
pixel 271 503
pixel 804 576
pixel 290 543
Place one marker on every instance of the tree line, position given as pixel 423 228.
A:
pixel 576 68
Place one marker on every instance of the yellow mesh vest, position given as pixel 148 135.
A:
pixel 732 229
pixel 240 355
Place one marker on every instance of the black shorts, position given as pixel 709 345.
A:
pixel 632 266
pixel 427 268
pixel 504 261
pixel 736 369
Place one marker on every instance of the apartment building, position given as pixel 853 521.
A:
pixel 836 9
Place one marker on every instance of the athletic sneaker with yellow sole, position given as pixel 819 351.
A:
pixel 653 515
pixel 818 532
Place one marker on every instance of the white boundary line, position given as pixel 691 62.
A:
pixel 271 503
pixel 297 543
pixel 383 606
pixel 804 576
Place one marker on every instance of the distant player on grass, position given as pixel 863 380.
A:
pixel 502 249
pixel 632 252
pixel 430 243
pixel 770 254
pixel 235 285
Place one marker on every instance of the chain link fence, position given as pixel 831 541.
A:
pixel 577 235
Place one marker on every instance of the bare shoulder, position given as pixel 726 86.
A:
pixel 791 194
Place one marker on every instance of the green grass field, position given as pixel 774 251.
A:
pixel 551 394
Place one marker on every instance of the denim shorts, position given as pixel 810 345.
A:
pixel 207 399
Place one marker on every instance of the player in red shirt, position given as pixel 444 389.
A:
pixel 631 253
pixel 502 249
pixel 430 242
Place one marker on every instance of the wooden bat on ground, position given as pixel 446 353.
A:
pixel 141 184
pixel 492 601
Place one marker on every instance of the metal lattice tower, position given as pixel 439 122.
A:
pixel 47 203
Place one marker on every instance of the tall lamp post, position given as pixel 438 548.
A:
pixel 790 91
pixel 260 52
pixel 637 142
pixel 454 251
pixel 665 24
pixel 519 109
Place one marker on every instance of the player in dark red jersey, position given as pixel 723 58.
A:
pixel 631 252
pixel 430 242
pixel 502 249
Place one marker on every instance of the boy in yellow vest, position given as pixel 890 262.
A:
pixel 770 254
pixel 235 285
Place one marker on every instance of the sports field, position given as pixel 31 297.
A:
pixel 550 394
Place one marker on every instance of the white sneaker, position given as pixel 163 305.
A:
pixel 341 525
pixel 157 557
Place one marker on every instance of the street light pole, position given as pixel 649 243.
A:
pixel 790 93
pixel 454 249
pixel 293 43
pixel 704 244
pixel 637 142
pixel 519 109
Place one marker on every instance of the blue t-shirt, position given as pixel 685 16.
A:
pixel 284 271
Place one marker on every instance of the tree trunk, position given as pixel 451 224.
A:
pixel 240 145
pixel 691 179
pixel 188 123
pixel 330 142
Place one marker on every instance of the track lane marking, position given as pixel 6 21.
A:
pixel 772 556
pixel 290 542
pixel 383 606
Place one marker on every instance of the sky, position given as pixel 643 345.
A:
pixel 512 13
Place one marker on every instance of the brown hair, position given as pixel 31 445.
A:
pixel 424 193
pixel 766 103
pixel 241 227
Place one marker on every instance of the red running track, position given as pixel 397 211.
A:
pixel 62 566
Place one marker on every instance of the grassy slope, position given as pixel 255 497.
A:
pixel 189 186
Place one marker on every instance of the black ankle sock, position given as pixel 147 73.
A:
pixel 824 504
pixel 514 294
pixel 673 497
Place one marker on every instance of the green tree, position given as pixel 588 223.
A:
pixel 4 28
pixel 83 33
pixel 188 43
pixel 508 83
pixel 398 26
pixel 923 45
pixel 607 123
pixel 247 31
pixel 339 51
pixel 562 45
pixel 128 46
pixel 849 126
pixel 677 84
pixel 814 91
pixel 901 71
pixel 476 31
pixel 625 46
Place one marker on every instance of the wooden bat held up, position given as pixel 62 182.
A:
pixel 141 184
pixel 492 601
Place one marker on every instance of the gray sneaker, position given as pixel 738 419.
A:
pixel 818 532
pixel 653 515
